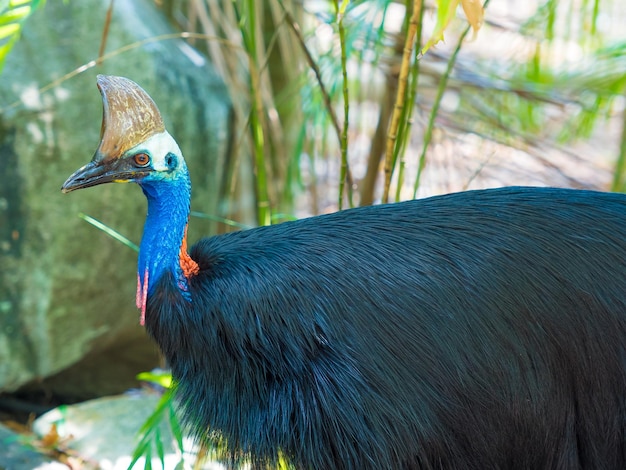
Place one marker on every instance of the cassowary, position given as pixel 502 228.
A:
pixel 477 330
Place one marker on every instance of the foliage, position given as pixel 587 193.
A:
pixel 474 12
pixel 13 13
pixel 151 437
pixel 302 84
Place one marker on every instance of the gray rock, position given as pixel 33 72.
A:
pixel 66 288
pixel 103 432
pixel 16 455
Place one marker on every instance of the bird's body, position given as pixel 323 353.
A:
pixel 477 330
pixel 453 332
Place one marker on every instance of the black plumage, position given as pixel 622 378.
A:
pixel 476 330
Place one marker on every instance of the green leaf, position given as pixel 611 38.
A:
pixel 278 217
pixel 158 443
pixel 142 450
pixel 4 50
pixel 342 7
pixel 109 231
pixel 157 415
pixel 229 222
pixel 18 3
pixel 9 30
pixel 13 13
pixel 174 423
pixel 148 464
pixel 445 12
pixel 164 379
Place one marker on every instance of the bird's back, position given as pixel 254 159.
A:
pixel 484 329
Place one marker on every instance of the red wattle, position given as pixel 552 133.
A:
pixel 141 298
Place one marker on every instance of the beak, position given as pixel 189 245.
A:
pixel 99 172
pixel 129 118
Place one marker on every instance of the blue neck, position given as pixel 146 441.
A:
pixel 168 214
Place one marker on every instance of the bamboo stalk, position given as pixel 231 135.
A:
pixel 340 10
pixel 392 134
pixel 407 121
pixel 249 31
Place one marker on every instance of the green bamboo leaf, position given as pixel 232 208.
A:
pixel 164 379
pixel 9 30
pixel 148 463
pixel 109 231
pixel 282 217
pixel 15 15
pixel 4 50
pixel 142 450
pixel 342 8
pixel 594 17
pixel 175 424
pixel 17 3
pixel 158 444
pixel 230 222
pixel 445 12
pixel 156 417
pixel 551 6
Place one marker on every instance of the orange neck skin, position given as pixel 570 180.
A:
pixel 189 266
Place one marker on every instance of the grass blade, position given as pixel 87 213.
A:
pixel 109 231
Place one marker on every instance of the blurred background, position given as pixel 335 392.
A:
pixel 283 109
pixel 536 97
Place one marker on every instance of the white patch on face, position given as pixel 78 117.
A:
pixel 158 147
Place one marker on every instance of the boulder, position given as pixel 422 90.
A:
pixel 17 454
pixel 67 289
pixel 104 432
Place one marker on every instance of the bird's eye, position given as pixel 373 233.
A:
pixel 142 159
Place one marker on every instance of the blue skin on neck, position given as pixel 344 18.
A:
pixel 169 195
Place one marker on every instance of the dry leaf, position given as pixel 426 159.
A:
pixel 51 439
pixel 475 14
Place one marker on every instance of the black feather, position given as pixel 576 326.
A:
pixel 478 330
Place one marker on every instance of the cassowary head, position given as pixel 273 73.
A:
pixel 134 144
